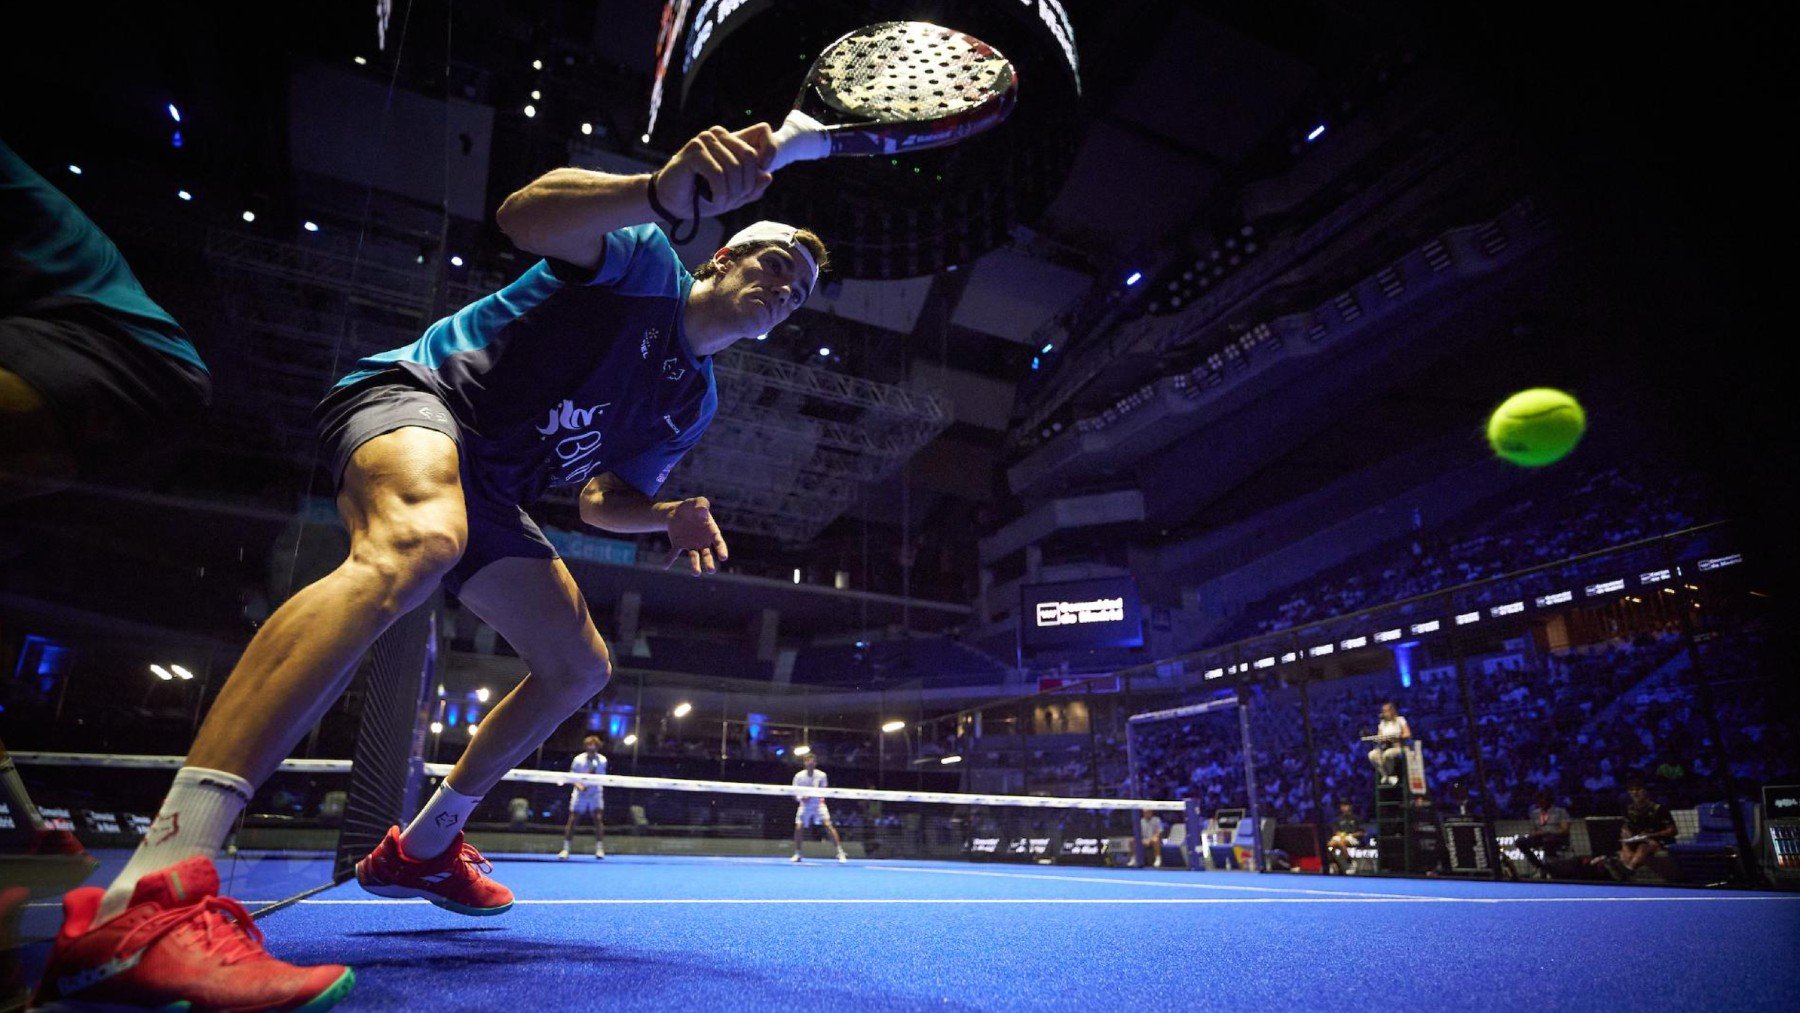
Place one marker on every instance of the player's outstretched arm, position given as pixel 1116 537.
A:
pixel 565 214
pixel 608 502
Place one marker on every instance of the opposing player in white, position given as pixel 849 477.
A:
pixel 813 811
pixel 587 798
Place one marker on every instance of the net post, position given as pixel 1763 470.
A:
pixel 387 766
pixel 1255 807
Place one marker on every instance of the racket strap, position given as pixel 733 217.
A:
pixel 662 211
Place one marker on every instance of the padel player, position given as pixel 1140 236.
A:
pixel 594 368
pixel 812 810
pixel 586 799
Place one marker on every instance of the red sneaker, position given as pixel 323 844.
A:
pixel 455 880
pixel 179 945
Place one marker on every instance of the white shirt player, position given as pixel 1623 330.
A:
pixel 812 810
pixel 586 797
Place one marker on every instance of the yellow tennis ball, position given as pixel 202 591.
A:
pixel 1536 427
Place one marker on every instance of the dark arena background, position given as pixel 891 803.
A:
pixel 1125 462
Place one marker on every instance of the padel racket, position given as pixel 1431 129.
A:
pixel 888 88
pixel 894 87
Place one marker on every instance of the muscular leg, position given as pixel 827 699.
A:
pixel 831 828
pixel 799 835
pixel 536 606
pixel 402 501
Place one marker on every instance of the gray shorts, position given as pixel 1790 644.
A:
pixel 352 416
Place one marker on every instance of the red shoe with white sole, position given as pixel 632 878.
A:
pixel 456 880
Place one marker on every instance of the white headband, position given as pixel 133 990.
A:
pixel 775 232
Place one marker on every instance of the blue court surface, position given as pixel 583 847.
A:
pixel 740 933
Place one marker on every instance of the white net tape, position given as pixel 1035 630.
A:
pixel 128 762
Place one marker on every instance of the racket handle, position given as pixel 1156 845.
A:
pixel 801 138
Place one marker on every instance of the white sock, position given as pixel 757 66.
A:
pixel 18 802
pixel 195 818
pixel 430 833
pixel 567 843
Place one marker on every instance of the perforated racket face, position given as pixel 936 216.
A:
pixel 911 72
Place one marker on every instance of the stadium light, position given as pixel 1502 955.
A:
pixel 952 758
pixel 530 111
pixel 473 727
pixel 1136 276
pixel 1316 133
pixel 537 65
pixel 310 226
pixel 587 128
pixel 76 169
pixel 184 195
pixel 630 740
pixel 1048 348
pixel 824 350
pixel 437 727
pixel 456 262
pixel 683 709
pixel 161 673
pixel 536 95
pixel 249 216
pixel 362 61
pixel 802 750
pixel 182 673
pixel 482 694
pixel 893 726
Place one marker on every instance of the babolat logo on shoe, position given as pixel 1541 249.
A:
pixel 72 983
pixel 436 877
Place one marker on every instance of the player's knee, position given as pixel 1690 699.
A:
pixel 405 561
pixel 581 673
pixel 591 673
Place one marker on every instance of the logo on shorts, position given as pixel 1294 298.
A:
pixel 569 417
pixel 672 370
pixel 650 334
pixel 672 425
pixel 435 414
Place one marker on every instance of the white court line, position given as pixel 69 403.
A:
pixel 1110 881
pixel 676 901
pixel 1003 901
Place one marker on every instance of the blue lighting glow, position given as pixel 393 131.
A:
pixel 1034 362
pixel 174 113
pixel 1136 276
pixel 175 139
pixel 1403 659
pixel 1317 132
